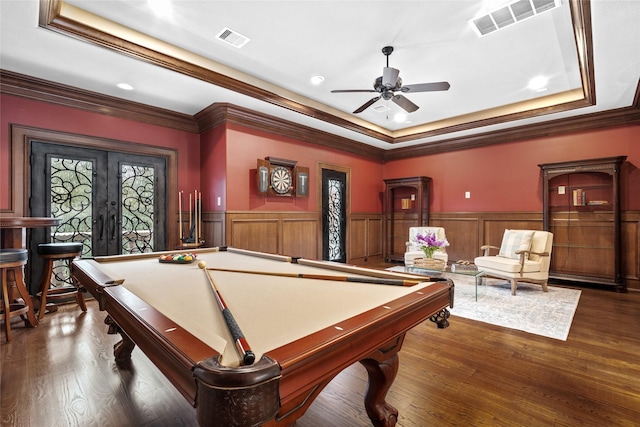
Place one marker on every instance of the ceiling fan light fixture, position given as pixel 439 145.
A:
pixel 389 83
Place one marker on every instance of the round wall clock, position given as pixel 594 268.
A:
pixel 281 180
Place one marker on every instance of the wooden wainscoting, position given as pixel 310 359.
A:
pixel 466 232
pixel 292 233
pixel 286 233
pixel 364 242
pixel 299 234
pixel 213 228
pixel 630 237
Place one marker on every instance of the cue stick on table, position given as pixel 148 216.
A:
pixel 248 357
pixel 374 280
pixel 180 214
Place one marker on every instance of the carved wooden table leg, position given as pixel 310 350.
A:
pixel 122 349
pixel 381 376
pixel 440 318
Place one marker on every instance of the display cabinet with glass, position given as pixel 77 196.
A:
pixel 581 207
pixel 406 204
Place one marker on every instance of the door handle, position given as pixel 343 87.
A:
pixel 113 227
pixel 101 227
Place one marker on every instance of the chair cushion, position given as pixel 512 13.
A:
pixel 515 240
pixel 59 248
pixel 508 265
pixel 13 255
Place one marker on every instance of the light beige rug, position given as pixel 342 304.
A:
pixel 549 314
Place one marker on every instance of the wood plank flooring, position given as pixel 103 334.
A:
pixel 62 373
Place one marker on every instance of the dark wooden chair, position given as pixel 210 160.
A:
pixel 12 262
pixel 52 252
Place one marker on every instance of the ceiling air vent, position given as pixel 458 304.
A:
pixel 516 11
pixel 233 38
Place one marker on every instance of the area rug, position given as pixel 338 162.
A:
pixel 549 314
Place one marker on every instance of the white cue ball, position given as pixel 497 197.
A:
pixel 202 265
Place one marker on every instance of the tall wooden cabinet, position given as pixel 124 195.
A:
pixel 581 207
pixel 406 204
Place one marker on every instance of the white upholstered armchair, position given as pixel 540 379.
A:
pixel 413 249
pixel 524 256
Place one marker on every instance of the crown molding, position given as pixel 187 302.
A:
pixel 220 113
pixel 56 15
pixel 55 93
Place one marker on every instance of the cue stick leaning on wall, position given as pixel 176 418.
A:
pixel 373 280
pixel 248 357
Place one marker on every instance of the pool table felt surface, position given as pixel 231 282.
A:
pixel 272 311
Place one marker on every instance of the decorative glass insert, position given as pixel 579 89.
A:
pixel 137 208
pixel 335 199
pixel 71 198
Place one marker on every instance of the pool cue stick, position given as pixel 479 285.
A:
pixel 248 357
pixel 374 280
pixel 199 233
pixel 180 213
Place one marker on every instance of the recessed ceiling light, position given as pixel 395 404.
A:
pixel 125 86
pixel 538 83
pixel 316 80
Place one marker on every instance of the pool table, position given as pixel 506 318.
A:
pixel 303 331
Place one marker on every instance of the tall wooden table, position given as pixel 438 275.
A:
pixel 13 235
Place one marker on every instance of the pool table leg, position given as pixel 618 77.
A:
pixel 123 348
pixel 381 376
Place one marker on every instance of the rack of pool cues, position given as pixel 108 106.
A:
pixel 194 223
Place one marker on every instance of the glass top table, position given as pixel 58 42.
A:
pixel 451 269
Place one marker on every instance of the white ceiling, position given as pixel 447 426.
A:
pixel 342 41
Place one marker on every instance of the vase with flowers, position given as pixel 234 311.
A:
pixel 429 244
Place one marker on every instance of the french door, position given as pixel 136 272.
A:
pixel 111 202
pixel 334 215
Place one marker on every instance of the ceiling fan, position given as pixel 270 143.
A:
pixel 389 83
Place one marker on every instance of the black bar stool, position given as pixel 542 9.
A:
pixel 12 262
pixel 52 252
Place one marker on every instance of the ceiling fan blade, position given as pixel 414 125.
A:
pixel 390 76
pixel 426 87
pixel 367 105
pixel 352 90
pixel 404 103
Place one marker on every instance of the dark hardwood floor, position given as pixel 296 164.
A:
pixel 62 373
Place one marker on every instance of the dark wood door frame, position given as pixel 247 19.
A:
pixel 20 169
pixel 347 171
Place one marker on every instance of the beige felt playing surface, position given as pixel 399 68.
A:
pixel 271 311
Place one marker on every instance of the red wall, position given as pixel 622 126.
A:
pixel 16 110
pixel 213 169
pixel 506 177
pixel 245 146
pixel 222 162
